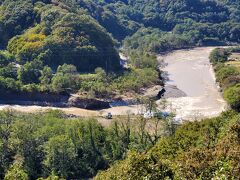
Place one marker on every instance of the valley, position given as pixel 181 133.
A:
pixel 189 71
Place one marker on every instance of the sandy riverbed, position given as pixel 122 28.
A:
pixel 191 72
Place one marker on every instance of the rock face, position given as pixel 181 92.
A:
pixel 172 91
pixel 84 103
pixel 161 93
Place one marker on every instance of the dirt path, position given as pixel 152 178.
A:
pixel 191 72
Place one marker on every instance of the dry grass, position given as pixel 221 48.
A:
pixel 233 63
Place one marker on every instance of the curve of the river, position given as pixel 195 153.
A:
pixel 195 94
pixel 191 72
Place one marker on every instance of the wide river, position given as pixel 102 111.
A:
pixel 191 72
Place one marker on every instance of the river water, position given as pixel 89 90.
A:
pixel 191 72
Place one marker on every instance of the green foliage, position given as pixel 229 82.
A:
pixel 26 47
pixel 15 17
pixel 143 60
pixel 66 79
pixel 51 146
pixel 219 55
pixel 137 166
pixel 227 75
pixel 9 84
pixel 79 40
pixel 9 71
pixel 154 40
pixel 16 172
pixel 70 38
pixel 5 58
pixel 232 95
pixel 196 151
pixel 135 80
pixel 30 72
pixel 225 72
pixel 60 155
pixel 46 77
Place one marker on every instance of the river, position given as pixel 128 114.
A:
pixel 195 94
pixel 191 73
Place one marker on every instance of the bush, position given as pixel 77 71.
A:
pixel 219 55
pixel 232 96
pixel 6 58
pixel 66 79
pixel 30 72
pixel 225 72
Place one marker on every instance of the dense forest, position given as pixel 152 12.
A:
pixel 51 145
pixel 72 46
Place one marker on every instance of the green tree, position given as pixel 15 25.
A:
pixel 46 77
pixel 219 55
pixel 6 58
pixel 226 71
pixel 6 124
pixel 232 95
pixel 9 71
pixel 60 156
pixel 16 171
pixel 101 74
pixel 30 72
pixel 67 69
pixel 66 79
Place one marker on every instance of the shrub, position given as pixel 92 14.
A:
pixel 219 55
pixel 232 96
pixel 225 72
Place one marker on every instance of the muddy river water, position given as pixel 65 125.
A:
pixel 191 72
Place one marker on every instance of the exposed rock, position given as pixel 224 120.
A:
pixel 161 93
pixel 173 92
pixel 92 104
